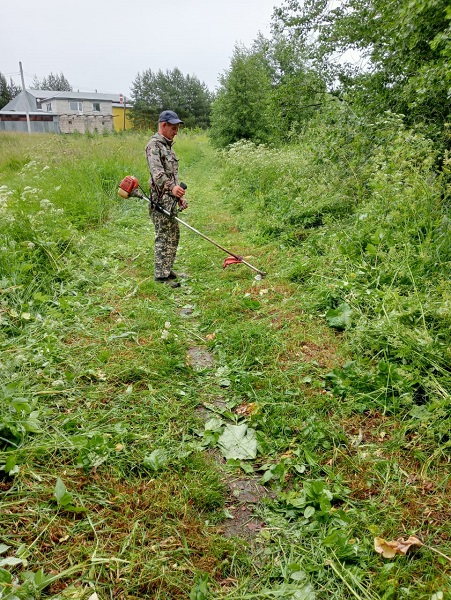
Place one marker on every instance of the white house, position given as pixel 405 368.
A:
pixel 60 112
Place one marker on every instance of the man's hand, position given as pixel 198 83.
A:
pixel 183 204
pixel 178 191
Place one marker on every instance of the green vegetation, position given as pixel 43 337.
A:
pixel 405 46
pixel 185 94
pixel 330 383
pixel 52 82
pixel 240 438
pixel 375 56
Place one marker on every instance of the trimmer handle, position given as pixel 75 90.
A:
pixel 183 204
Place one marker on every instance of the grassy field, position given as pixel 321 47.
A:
pixel 232 438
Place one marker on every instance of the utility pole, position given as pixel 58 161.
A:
pixel 26 98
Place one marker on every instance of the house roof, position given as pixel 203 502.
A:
pixel 83 96
pixel 27 100
pixel 23 102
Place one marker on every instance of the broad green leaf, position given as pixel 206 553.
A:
pixel 238 441
pixel 60 490
pixel 32 424
pixel 291 591
pixel 10 464
pixel 247 468
pixel 11 561
pixel 267 476
pixel 298 576
pixel 340 317
pixel 251 304
pixel 5 577
pixel 156 460
pixel 200 589
pixel 75 509
pixel 295 572
pixel 214 425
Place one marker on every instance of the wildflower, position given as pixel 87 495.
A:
pixel 164 334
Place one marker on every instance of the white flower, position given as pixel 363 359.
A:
pixel 167 325
pixel 164 334
pixel 30 245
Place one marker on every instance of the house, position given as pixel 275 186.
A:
pixel 65 112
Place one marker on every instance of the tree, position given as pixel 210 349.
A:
pixel 4 91
pixel 406 46
pixel 186 95
pixel 240 110
pixel 269 92
pixel 57 83
pixel 14 89
pixel 298 88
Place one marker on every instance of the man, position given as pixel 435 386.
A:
pixel 166 191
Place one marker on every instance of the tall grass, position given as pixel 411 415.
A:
pixel 364 213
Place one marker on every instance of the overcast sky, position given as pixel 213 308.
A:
pixel 103 45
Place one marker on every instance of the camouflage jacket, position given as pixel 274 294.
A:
pixel 163 167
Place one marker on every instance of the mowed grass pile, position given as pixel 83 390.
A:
pixel 336 367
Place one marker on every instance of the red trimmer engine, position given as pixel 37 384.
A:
pixel 127 186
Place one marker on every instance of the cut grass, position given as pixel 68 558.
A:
pixel 107 365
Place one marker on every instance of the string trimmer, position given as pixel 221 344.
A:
pixel 129 186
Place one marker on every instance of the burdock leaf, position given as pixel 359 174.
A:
pixel 238 441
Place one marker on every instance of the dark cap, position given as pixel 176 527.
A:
pixel 169 116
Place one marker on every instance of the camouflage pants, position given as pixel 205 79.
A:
pixel 167 235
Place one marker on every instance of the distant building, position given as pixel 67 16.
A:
pixel 121 115
pixel 65 112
